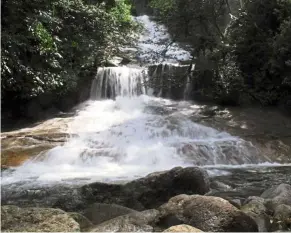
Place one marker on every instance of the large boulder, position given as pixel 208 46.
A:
pixel 18 219
pixel 100 212
pixel 278 202
pixel 81 198
pixel 157 188
pixel 256 209
pixel 277 195
pixel 133 222
pixel 82 220
pixel 144 193
pixel 44 197
pixel 182 228
pixel 206 213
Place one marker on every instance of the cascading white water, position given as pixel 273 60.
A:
pixel 156 45
pixel 131 136
pixel 122 133
pixel 118 81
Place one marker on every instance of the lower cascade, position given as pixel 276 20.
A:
pixel 117 81
pixel 124 132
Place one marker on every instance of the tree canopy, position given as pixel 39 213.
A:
pixel 46 45
pixel 247 41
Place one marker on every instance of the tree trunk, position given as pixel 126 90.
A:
pixel 241 4
pixel 228 6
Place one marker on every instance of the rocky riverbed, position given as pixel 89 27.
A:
pixel 181 199
pixel 225 197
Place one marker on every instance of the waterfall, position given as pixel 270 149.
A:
pixel 123 132
pixel 188 85
pixel 118 81
pixel 156 45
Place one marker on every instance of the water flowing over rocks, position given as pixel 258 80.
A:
pixel 156 45
pixel 126 160
pixel 118 81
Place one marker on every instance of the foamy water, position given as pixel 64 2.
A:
pixel 126 138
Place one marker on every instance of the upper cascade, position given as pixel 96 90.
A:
pixel 111 82
pixel 156 45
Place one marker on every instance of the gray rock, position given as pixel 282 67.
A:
pixel 43 197
pixel 182 228
pixel 254 199
pixel 282 218
pixel 100 212
pixel 280 194
pixel 86 195
pixel 282 212
pixel 217 185
pixel 18 219
pixel 133 222
pixel 256 209
pixel 157 188
pixel 206 213
pixel 144 193
pixel 236 202
pixel 82 220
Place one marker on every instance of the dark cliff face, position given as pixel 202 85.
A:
pixel 141 7
pixel 168 81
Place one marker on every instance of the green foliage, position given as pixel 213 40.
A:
pixel 46 45
pixel 251 50
pixel 165 6
pixel 259 38
pixel 196 22
pixel 45 38
pixel 121 12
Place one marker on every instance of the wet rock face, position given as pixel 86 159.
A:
pixel 206 213
pixel 21 145
pixel 36 219
pixel 141 7
pixel 168 80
